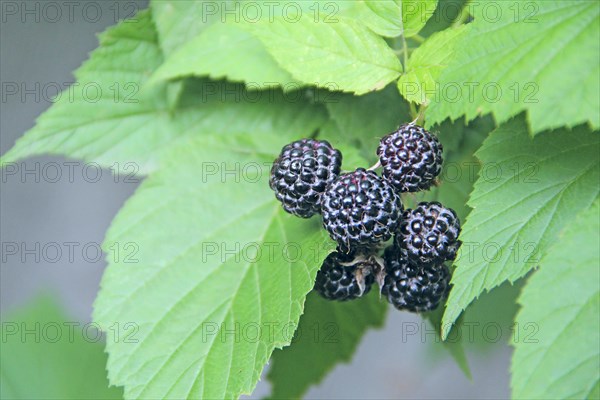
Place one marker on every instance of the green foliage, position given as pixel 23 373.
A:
pixel 393 17
pixel 123 124
pixel 455 347
pixel 556 351
pixel 456 182
pixel 342 55
pixel 366 119
pixel 221 276
pixel 489 321
pixel 203 106
pixel 328 333
pixel 178 21
pixel 448 13
pixel 461 167
pixel 536 56
pixel 426 64
pixel 46 355
pixel 523 196
pixel 595 392
pixel 216 53
pixel 139 125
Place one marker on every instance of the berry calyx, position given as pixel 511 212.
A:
pixel 360 210
pixel 429 233
pixel 345 276
pixel 300 175
pixel 411 158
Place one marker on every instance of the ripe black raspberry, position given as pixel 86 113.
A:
pixel 429 233
pixel 411 158
pixel 412 287
pixel 360 210
pixel 301 173
pixel 345 277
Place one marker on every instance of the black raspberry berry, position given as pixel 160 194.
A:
pixel 429 233
pixel 345 276
pixel 360 210
pixel 300 175
pixel 413 287
pixel 411 158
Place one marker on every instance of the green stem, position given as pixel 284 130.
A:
pixel 418 38
pixel 421 116
pixel 404 51
pixel 404 45
pixel 399 52
pixel 413 110
pixel 462 16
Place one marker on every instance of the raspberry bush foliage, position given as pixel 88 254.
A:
pixel 512 99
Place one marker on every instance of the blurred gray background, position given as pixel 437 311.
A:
pixel 37 57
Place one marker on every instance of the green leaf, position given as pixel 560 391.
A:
pixel 445 16
pixel 415 14
pixel 217 53
pixel 342 55
pixel 104 117
pixel 138 126
pixel 426 64
pixel 46 355
pixel 536 56
pixel 225 49
pixel 594 393
pixel 460 168
pixel 557 354
pixel 454 346
pixel 364 120
pixel 391 18
pixel 178 21
pixel 458 176
pixel 329 333
pixel 489 321
pixel 353 157
pixel 527 190
pixel 456 181
pixel 220 274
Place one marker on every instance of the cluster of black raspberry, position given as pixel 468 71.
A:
pixel 362 210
